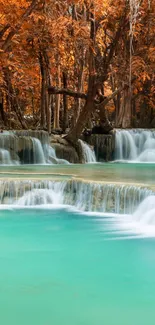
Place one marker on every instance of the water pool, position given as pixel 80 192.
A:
pixel 59 267
pixel 111 172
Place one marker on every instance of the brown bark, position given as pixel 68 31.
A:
pixel 43 107
pixel 125 113
pixel 90 106
pixel 69 92
pixel 76 131
pixel 48 97
pixel 94 88
pixel 93 104
pixel 57 103
pixel 13 99
pixel 65 104
pixel 2 114
pixel 80 82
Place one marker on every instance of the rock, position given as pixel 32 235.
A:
pixel 64 150
pixel 103 144
pixel 57 131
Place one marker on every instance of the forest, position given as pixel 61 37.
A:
pixel 69 66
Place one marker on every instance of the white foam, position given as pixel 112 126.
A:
pixel 88 152
pixel 125 209
pixel 135 145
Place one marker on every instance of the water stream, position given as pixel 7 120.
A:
pixel 77 242
pixel 136 145
pixel 30 147
pixel 88 152
pixel 138 202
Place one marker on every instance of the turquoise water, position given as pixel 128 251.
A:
pixel 115 172
pixel 58 267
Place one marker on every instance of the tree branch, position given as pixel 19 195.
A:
pixel 63 91
pixel 103 100
pixel 110 97
pixel 3 30
pixel 27 13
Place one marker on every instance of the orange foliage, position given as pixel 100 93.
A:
pixel 54 27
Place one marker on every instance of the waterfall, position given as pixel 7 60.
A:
pixel 5 157
pixel 27 147
pixel 8 149
pixel 88 152
pixel 38 153
pixel 145 213
pixel 135 145
pixel 125 209
pixel 52 158
pixel 83 195
pixel 140 223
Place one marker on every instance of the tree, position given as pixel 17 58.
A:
pixel 61 77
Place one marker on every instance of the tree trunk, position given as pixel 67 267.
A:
pixel 57 103
pixel 65 104
pixel 77 106
pixel 76 130
pixel 43 106
pixel 126 123
pixel 125 113
pixel 13 99
pixel 48 97
pixel 2 114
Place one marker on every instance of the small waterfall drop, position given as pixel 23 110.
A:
pixel 27 147
pixel 41 197
pixel 52 158
pixel 145 213
pixel 135 145
pixel 141 223
pixel 5 157
pixel 88 152
pixel 38 153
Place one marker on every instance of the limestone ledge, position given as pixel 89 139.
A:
pixel 84 194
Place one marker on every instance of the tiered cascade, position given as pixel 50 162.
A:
pixel 32 147
pixel 135 145
pixel 88 152
pixel 83 195
pixel 23 147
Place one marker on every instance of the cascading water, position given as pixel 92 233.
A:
pixel 88 152
pixel 85 196
pixel 129 209
pixel 145 213
pixel 27 147
pixel 141 223
pixel 8 146
pixel 38 153
pixel 52 158
pixel 135 145
pixel 5 157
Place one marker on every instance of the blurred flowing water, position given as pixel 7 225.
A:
pixel 136 145
pixel 77 244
